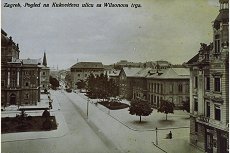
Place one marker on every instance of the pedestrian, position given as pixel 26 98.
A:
pixel 170 135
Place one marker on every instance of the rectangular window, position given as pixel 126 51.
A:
pixel 207 83
pixel 217 43
pixel 13 83
pixel 207 109
pixel 2 83
pixel 217 84
pixel 180 88
pixel 195 104
pixel 171 88
pixel 217 113
pixel 196 127
pixel 26 96
pixel 158 88
pixel 151 99
pixel 195 82
pixel 162 89
pixel 186 88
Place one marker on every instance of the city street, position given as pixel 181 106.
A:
pixel 81 137
pixel 103 131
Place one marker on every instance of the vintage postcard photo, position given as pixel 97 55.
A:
pixel 115 76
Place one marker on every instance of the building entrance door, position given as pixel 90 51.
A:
pixel 209 143
pixel 12 99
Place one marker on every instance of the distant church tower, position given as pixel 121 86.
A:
pixel 45 73
pixel 44 60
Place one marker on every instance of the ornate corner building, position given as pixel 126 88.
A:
pixel 209 89
pixel 20 78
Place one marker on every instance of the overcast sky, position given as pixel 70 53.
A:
pixel 160 30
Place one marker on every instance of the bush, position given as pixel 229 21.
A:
pixel 46 113
pixel 47 124
pixel 24 127
pixel 6 119
pixel 113 105
pixel 4 127
pixel 29 118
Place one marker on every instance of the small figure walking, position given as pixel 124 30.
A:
pixel 170 135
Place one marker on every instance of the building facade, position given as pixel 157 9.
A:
pixel 171 84
pixel 155 85
pixel 127 77
pixel 20 78
pixel 209 89
pixel 81 71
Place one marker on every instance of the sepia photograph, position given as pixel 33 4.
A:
pixel 115 76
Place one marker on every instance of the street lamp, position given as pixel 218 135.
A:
pixel 109 109
pixel 87 108
pixel 156 137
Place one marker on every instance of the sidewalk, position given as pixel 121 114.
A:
pixel 61 130
pixel 129 139
pixel 180 119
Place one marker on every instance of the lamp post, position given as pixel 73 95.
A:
pixel 87 113
pixel 156 137
pixel 109 109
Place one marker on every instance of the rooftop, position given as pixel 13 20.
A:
pixel 29 61
pixel 171 73
pixel 86 65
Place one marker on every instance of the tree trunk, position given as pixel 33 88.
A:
pixel 166 117
pixel 140 119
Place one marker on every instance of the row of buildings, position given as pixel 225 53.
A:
pixel 209 89
pixel 22 80
pixel 152 84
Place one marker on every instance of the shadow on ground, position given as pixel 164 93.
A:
pixel 166 122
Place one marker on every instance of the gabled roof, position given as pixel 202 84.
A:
pixel 136 72
pixel 131 71
pixel 143 72
pixel 182 71
pixel 85 65
pixel 171 73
